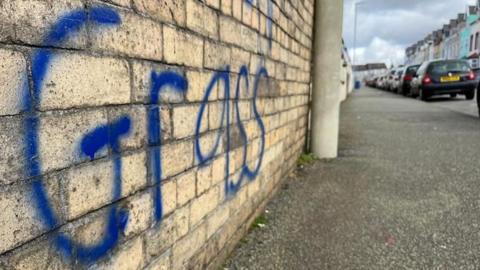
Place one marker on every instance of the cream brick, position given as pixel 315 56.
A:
pixel 215 111
pixel 171 11
pixel 169 197
pixel 20 221
pixel 202 19
pixel 263 6
pixel 177 157
pixel 136 37
pixel 252 188
pixel 134 173
pixel 91 186
pixel 185 121
pixel 216 56
pixel 185 187
pixel 128 257
pixel 214 3
pixel 30 20
pixel 123 3
pixel 90 229
pixel 160 238
pixel 181 219
pixel 204 179
pixel 207 142
pixel 247 13
pixel 238 34
pixel 227 7
pixel 203 205
pixel 182 48
pixel 12 164
pixel 188 246
pixel 263 25
pixel 198 82
pixel 239 58
pixel 217 219
pixel 13 81
pixel 218 170
pixel 255 23
pixel 140 209
pixel 238 201
pixel 162 263
pixel 256 61
pixel 36 256
pixel 76 80
pixel 244 110
pixel 60 135
pixel 237 9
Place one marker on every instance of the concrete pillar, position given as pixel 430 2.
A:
pixel 326 78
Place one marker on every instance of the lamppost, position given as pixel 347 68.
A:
pixel 356 5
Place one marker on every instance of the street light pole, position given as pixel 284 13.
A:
pixel 358 3
pixel 355 33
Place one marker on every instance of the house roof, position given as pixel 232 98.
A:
pixel 370 66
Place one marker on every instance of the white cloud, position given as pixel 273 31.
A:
pixel 380 50
pixel 387 27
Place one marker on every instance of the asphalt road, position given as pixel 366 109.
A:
pixel 404 194
pixel 458 104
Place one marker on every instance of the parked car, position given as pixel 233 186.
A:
pixel 409 72
pixel 370 82
pixel 440 77
pixel 389 80
pixel 381 82
pixel 395 82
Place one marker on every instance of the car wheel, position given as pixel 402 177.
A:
pixel 453 95
pixel 423 96
pixel 413 93
pixel 478 103
pixel 469 95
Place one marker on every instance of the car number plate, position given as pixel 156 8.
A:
pixel 450 79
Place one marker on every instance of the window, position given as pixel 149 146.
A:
pixel 471 43
pixel 476 40
pixel 442 67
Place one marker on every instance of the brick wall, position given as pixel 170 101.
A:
pixel 145 134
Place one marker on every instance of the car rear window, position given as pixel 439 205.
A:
pixel 412 70
pixel 448 66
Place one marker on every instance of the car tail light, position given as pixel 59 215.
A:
pixel 426 79
pixel 408 78
pixel 471 75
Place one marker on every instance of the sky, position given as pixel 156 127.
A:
pixel 386 28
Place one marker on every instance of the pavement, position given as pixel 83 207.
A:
pixel 403 194
pixel 458 104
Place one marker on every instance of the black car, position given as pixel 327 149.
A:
pixel 409 73
pixel 442 77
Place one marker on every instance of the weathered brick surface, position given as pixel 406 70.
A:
pixel 96 131
pixel 182 48
pixel 13 75
pixel 202 19
pixel 77 80
pixel 172 11
pixel 136 36
pixel 29 21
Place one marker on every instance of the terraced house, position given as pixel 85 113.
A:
pixel 459 39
